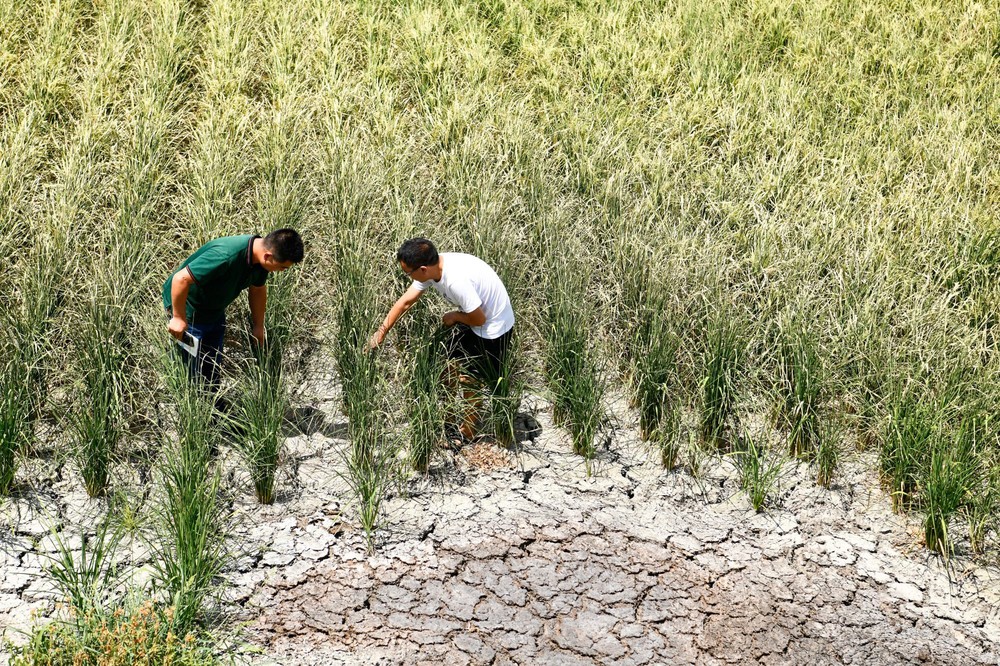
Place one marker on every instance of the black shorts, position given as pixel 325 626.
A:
pixel 483 358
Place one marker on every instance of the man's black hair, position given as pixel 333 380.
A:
pixel 417 252
pixel 285 245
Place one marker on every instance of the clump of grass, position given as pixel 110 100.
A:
pixel 655 384
pixel 97 421
pixel 981 510
pixel 759 471
pixel 16 425
pixel 907 438
pixel 371 458
pixel 191 530
pixel 263 401
pixel 950 477
pixel 571 357
pixel 504 394
pixel 258 419
pixel 721 365
pixel 139 633
pixel 827 456
pixel 88 579
pixel 800 388
pixel 424 408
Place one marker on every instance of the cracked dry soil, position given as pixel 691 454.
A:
pixel 501 559
pixel 534 562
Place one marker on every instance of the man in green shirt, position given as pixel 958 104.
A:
pixel 196 295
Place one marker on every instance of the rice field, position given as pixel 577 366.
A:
pixel 772 225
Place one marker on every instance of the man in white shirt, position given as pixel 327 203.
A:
pixel 483 320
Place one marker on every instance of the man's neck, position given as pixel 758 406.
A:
pixel 438 271
pixel 257 253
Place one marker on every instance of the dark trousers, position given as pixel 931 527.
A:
pixel 206 366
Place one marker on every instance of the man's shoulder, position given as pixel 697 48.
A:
pixel 229 243
pixel 225 247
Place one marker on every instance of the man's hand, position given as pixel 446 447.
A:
pixel 377 338
pixel 451 318
pixel 177 326
pixel 258 335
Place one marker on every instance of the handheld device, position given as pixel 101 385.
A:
pixel 190 344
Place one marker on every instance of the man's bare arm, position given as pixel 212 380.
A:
pixel 180 285
pixel 475 318
pixel 404 303
pixel 258 305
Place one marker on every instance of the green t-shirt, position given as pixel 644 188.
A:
pixel 221 269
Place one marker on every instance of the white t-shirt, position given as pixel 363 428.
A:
pixel 468 282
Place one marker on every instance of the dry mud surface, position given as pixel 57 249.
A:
pixel 524 559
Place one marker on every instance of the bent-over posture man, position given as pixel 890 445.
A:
pixel 196 295
pixel 484 321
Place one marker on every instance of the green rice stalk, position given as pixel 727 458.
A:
pixel 721 365
pixel 504 395
pixel 259 417
pixel 89 577
pixel 800 387
pixel 907 440
pixel 191 533
pixel 570 358
pixel 950 478
pixel 759 471
pixel 97 422
pixel 426 416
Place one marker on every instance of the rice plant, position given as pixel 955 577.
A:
pixel 259 416
pixel 721 368
pixel 654 374
pixel 949 479
pixel 372 455
pixel 88 578
pixel 503 395
pixel 759 470
pixel 97 422
pixel 16 425
pixel 800 388
pixel 827 456
pixel 908 436
pixel 981 510
pixel 571 359
pixel 191 532
pixel 425 410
